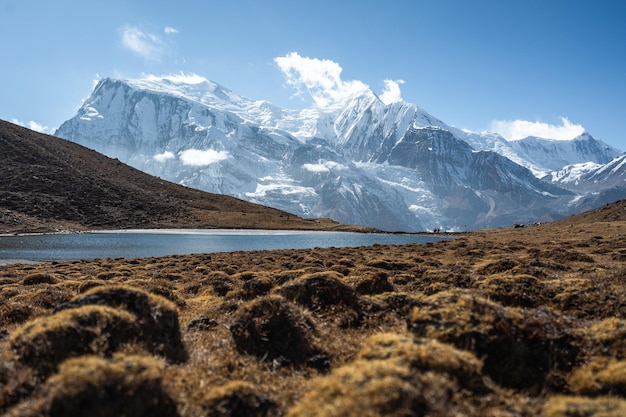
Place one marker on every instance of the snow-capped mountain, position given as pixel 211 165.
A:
pixel 543 156
pixel 394 167
pixel 592 177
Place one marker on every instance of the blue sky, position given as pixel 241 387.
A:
pixel 552 67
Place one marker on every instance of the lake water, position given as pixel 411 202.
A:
pixel 150 243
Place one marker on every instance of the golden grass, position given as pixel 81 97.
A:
pixel 562 406
pixel 506 322
pixel 47 341
pixel 92 386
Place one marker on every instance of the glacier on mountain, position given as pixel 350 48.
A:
pixel 359 161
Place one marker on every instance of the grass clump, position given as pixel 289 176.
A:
pixel 47 341
pixel 128 386
pixel 370 283
pixel 427 355
pixel 237 399
pixel 602 376
pixel 273 329
pixel 44 296
pixel 516 290
pixel 254 284
pixel 522 349
pixel 325 292
pixel 566 406
pixel 39 278
pixel 156 316
pixel 12 312
pixel 373 388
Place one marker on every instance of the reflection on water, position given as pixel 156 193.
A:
pixel 149 243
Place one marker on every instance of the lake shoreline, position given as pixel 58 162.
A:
pixel 142 243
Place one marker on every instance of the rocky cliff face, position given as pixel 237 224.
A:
pixel 394 167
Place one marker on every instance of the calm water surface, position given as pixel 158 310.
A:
pixel 149 243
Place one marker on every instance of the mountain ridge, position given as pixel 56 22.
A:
pixel 311 162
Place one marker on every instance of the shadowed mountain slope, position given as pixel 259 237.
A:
pixel 50 184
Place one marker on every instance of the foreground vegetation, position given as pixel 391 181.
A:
pixel 512 322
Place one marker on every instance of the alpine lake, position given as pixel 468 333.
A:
pixel 165 242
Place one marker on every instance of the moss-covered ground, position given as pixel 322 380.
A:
pixel 510 322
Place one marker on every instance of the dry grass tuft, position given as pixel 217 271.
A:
pixel 156 316
pixel 562 406
pixel 427 355
pixel 522 349
pixel 255 284
pixel 47 341
pixel 44 296
pixel 606 338
pixel 13 313
pixel 91 386
pixel 388 264
pixel 273 329
pixel 516 290
pixel 237 399
pixel 325 292
pixel 372 388
pixel 39 278
pixel 370 283
pixel 601 376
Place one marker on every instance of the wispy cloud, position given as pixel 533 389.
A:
pixel 519 129
pixel 164 157
pixel 32 125
pixel 199 158
pixel 321 78
pixel 324 167
pixel 145 44
pixel 391 93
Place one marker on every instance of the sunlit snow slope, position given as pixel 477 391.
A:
pixel 394 167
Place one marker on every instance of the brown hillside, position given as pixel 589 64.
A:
pixel 50 184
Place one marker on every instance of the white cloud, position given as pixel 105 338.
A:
pixel 321 78
pixel 324 166
pixel 32 125
pixel 145 44
pixel 199 158
pixel 391 93
pixel 163 157
pixel 519 129
pixel 170 30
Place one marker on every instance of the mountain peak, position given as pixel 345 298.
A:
pixel 192 87
pixel 351 157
